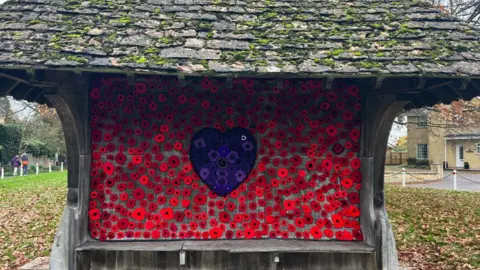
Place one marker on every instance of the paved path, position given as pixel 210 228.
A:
pixel 462 184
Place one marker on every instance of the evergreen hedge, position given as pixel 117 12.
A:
pixel 37 149
pixel 10 139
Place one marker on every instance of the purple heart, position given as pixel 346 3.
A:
pixel 223 160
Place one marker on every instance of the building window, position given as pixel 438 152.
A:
pixel 478 148
pixel 422 151
pixel 422 121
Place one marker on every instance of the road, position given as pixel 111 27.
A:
pixel 462 184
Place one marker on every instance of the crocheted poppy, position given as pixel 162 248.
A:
pixel 308 170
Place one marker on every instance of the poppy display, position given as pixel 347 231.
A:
pixel 199 161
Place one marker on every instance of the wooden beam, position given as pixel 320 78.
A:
pixel 19 92
pixel 465 83
pixel 50 91
pixel 229 82
pixel 475 85
pixel 455 90
pixel 379 82
pixel 429 98
pixel 329 83
pixel 280 83
pixel 131 78
pixel 39 84
pixel 24 95
pixel 181 79
pixel 35 97
pixel 42 100
pixel 82 81
pixel 445 95
pixel 31 74
pixel 8 87
pixel 421 83
pixel 447 83
pixel 233 246
pixel 79 75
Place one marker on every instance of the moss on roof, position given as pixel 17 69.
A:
pixel 225 36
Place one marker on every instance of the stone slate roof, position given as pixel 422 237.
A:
pixel 462 135
pixel 233 36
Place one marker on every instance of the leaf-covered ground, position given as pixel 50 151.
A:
pixel 434 229
pixel 30 209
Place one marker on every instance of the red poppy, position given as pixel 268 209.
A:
pixel 94 214
pixel 355 163
pixel 138 194
pixel 159 138
pixel 167 213
pixel 347 183
pixel 215 232
pixel 173 162
pixel 282 172
pixel 108 168
pixel 139 214
pixel 337 221
pixel 355 134
pixel 331 130
pixel 137 160
pixel 315 232
pixel 200 199
pixel 325 106
pixel 289 204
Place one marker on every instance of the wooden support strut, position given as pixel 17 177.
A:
pixel 32 76
pixel 28 92
pixel 465 84
pixel 421 83
pixel 280 83
pixel 455 90
pixel 131 78
pixel 229 82
pixel 379 82
pixel 475 85
pixel 329 83
pixel 9 88
pixel 8 76
pixel 181 79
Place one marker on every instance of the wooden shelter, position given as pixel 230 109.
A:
pixel 301 95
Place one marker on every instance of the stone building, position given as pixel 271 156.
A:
pixel 431 138
pixel 228 134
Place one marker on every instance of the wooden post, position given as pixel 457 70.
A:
pixel 182 257
pixel 454 179
pixel 61 166
pixel 403 177
pixel 2 173
pixel 378 115
pixel 70 98
pixel 49 167
pixel 21 170
pixel 37 169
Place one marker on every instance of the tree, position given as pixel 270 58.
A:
pixel 459 117
pixel 467 10
pixel 401 144
pixel 5 110
pixel 42 131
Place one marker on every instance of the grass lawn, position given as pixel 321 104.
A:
pixel 434 229
pixel 30 209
